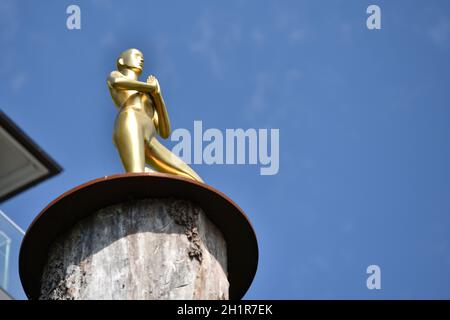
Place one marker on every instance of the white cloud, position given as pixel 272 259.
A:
pixel 346 31
pixel 257 37
pixel 205 46
pixel 290 23
pixel 293 75
pixel 213 40
pixel 18 81
pixel 231 36
pixel 165 62
pixel 258 98
pixel 440 32
pixel 9 22
pixel 296 36
pixel 108 40
pixel 9 27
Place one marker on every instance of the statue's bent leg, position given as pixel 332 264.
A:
pixel 164 160
pixel 129 140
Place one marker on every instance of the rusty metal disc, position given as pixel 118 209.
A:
pixel 68 209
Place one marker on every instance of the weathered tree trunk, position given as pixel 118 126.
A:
pixel 142 249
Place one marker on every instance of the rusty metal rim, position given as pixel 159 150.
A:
pixel 77 203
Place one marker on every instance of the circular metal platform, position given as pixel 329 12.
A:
pixel 65 211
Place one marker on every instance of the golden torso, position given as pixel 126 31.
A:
pixel 135 110
pixel 139 101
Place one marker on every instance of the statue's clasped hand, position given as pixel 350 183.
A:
pixel 152 81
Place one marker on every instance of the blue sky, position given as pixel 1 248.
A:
pixel 363 116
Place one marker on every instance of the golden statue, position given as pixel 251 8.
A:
pixel 142 115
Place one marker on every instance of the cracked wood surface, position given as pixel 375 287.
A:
pixel 142 249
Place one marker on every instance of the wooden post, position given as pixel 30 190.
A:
pixel 139 236
pixel 140 249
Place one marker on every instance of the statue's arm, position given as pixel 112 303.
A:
pixel 119 82
pixel 161 119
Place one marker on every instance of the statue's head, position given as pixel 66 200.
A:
pixel 131 59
